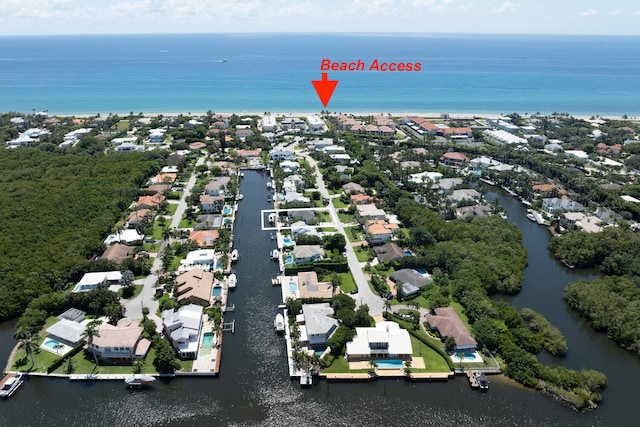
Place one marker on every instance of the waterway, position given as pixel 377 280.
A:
pixel 254 389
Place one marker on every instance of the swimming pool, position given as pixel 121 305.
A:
pixel 288 259
pixel 389 364
pixel 466 354
pixel 227 220
pixel 52 344
pixel 217 291
pixel 408 253
pixel 226 210
pixel 207 340
pixel 293 287
pixel 288 242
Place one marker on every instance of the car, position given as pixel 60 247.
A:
pixel 353 292
pixel 388 295
pixel 396 313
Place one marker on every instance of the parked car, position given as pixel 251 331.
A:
pixel 353 292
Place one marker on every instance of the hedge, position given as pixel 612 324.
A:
pixel 56 364
pixel 338 267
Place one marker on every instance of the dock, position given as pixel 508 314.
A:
pixel 229 326
pixel 473 380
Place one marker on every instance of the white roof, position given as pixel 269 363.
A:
pixel 95 278
pixel 201 256
pixel 577 153
pixel 630 199
pixel 68 330
pixel 397 339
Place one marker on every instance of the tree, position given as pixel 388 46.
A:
pixel 91 332
pixel 70 366
pixel 334 241
pixel 387 305
pixel 29 343
pixel 336 282
pixel 114 312
pixel 450 344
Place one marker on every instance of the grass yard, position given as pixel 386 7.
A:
pixel 187 223
pixel 346 218
pixel 341 366
pixel 358 234
pixel 363 254
pixel 347 282
pixel 136 292
pixel 433 361
pixel 338 204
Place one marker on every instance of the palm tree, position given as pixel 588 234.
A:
pixel 137 366
pixel 387 305
pixel 91 332
pixel 372 367
pixel 29 343
pixel 407 367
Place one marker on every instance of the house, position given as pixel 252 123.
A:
pixel 316 124
pixel 360 199
pixel 292 124
pixel 182 328
pixel 164 178
pixel 128 147
pixel 279 154
pixel 302 215
pixel 204 238
pixel 309 287
pixel 159 188
pixel 387 340
pixel 243 133
pixel 454 159
pixel 352 188
pixel 554 204
pixel 128 237
pixel 91 281
pixel 464 194
pixel 117 253
pixel 217 186
pixel 69 333
pixel 268 123
pixel 410 281
pixel 425 177
pixel 370 211
pixel 138 216
pixel 120 342
pixel 295 197
pixel 149 202
pixel 446 185
pixel 156 136
pixel 581 222
pixel 199 145
pixel 307 253
pixel 211 203
pixel 448 324
pixel 478 211
pixel 503 137
pixel 195 286
pixel 300 228
pixel 199 257
pixel 379 231
pixel 318 323
pixel 289 166
pixel 389 252
pixel 208 222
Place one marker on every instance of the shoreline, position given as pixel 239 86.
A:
pixel 452 115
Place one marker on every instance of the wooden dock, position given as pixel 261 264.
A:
pixel 473 380
pixel 229 327
pixel 347 377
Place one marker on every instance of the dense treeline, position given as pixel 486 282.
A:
pixel 474 258
pixel 616 250
pixel 56 208
pixel 612 305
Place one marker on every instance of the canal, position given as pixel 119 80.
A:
pixel 254 389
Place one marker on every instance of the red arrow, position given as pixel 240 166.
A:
pixel 324 88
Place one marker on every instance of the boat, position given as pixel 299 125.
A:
pixel 278 324
pixel 503 215
pixel 275 254
pixel 269 184
pixel 241 174
pixel 272 218
pixel 306 379
pixel 269 198
pixel 139 380
pixel 483 383
pixel 532 217
pixel 240 196
pixel 9 384
pixel 234 255
pixel 232 281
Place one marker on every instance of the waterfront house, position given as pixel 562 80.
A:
pixel 120 342
pixel 138 216
pixel 201 257
pixel 117 253
pixel 310 287
pixel 446 185
pixel 316 124
pixel 194 286
pixel 448 324
pixel 464 194
pixel 318 323
pixel 387 340
pixel 93 280
pixel 204 238
pixel 580 221
pixel 208 222
pixel 182 328
pixel 217 186
pixel 479 211
pixel 66 334
pixel 289 166
pixel 300 228
pixel 279 154
pixel 552 204
pixel 307 216
pixel 211 203
pixel 352 188
pixel 307 253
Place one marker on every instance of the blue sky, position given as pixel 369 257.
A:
pixel 35 17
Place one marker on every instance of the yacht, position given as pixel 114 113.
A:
pixel 10 384
pixel 139 380
pixel 483 383
pixel 532 217
pixel 232 281
pixel 278 324
pixel 269 184
pixel 234 255
pixel 240 196
pixel 275 254
pixel 272 218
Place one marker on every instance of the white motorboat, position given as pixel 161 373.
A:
pixel 306 379
pixel 275 254
pixel 532 217
pixel 232 281
pixel 235 255
pixel 272 218
pixel 9 384
pixel 269 184
pixel 139 380
pixel 278 324
pixel 240 196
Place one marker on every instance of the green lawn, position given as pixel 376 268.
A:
pixel 346 218
pixel 338 204
pixel 171 208
pixel 151 247
pixel 341 366
pixel 347 282
pixel 433 361
pixel 323 216
pixel 363 254
pixel 122 126
pixel 187 223
pixel 358 233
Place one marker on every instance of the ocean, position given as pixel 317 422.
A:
pixel 466 73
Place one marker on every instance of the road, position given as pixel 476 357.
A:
pixel 365 294
pixel 147 298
